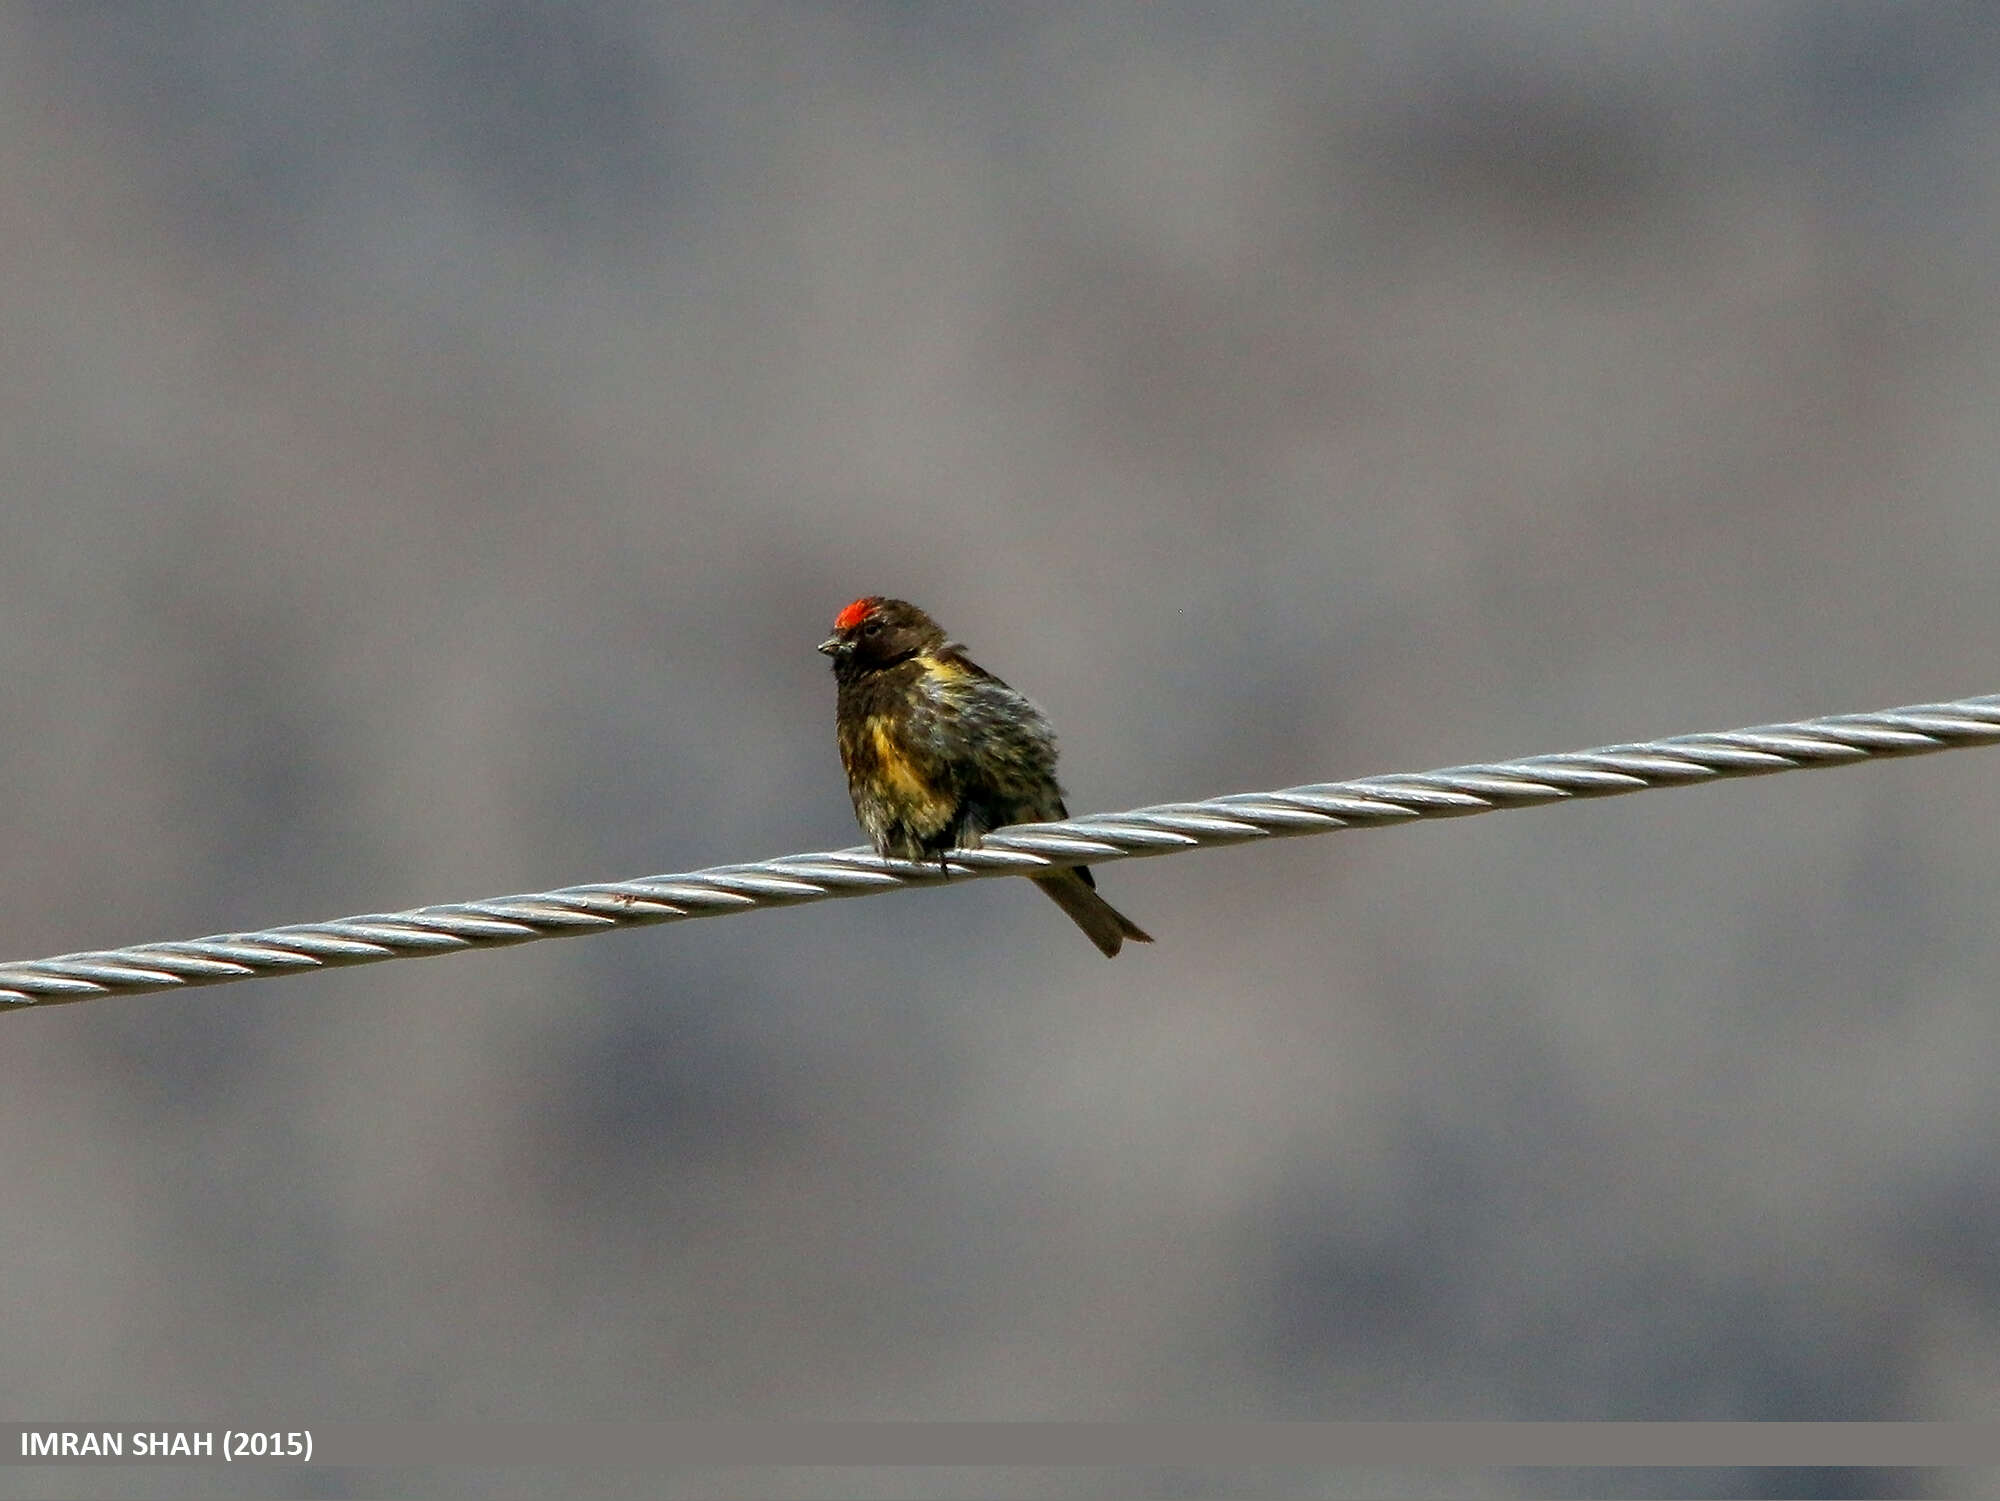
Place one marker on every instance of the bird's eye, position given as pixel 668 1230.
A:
pixel 873 628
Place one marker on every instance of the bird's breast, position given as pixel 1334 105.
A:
pixel 902 775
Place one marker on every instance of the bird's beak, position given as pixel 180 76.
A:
pixel 831 646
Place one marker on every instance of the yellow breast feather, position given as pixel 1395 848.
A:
pixel 924 806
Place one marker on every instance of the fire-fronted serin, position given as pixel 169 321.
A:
pixel 938 751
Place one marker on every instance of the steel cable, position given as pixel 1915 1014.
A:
pixel 1168 828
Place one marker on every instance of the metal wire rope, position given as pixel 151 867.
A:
pixel 1168 828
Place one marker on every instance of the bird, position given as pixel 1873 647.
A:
pixel 938 751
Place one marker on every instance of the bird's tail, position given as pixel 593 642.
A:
pixel 1074 890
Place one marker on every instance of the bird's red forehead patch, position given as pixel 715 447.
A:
pixel 855 613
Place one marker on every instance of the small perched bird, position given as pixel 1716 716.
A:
pixel 938 751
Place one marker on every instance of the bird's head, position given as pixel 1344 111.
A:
pixel 876 632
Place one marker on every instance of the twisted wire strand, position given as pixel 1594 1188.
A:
pixel 1168 828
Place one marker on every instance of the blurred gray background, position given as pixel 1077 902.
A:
pixel 435 438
